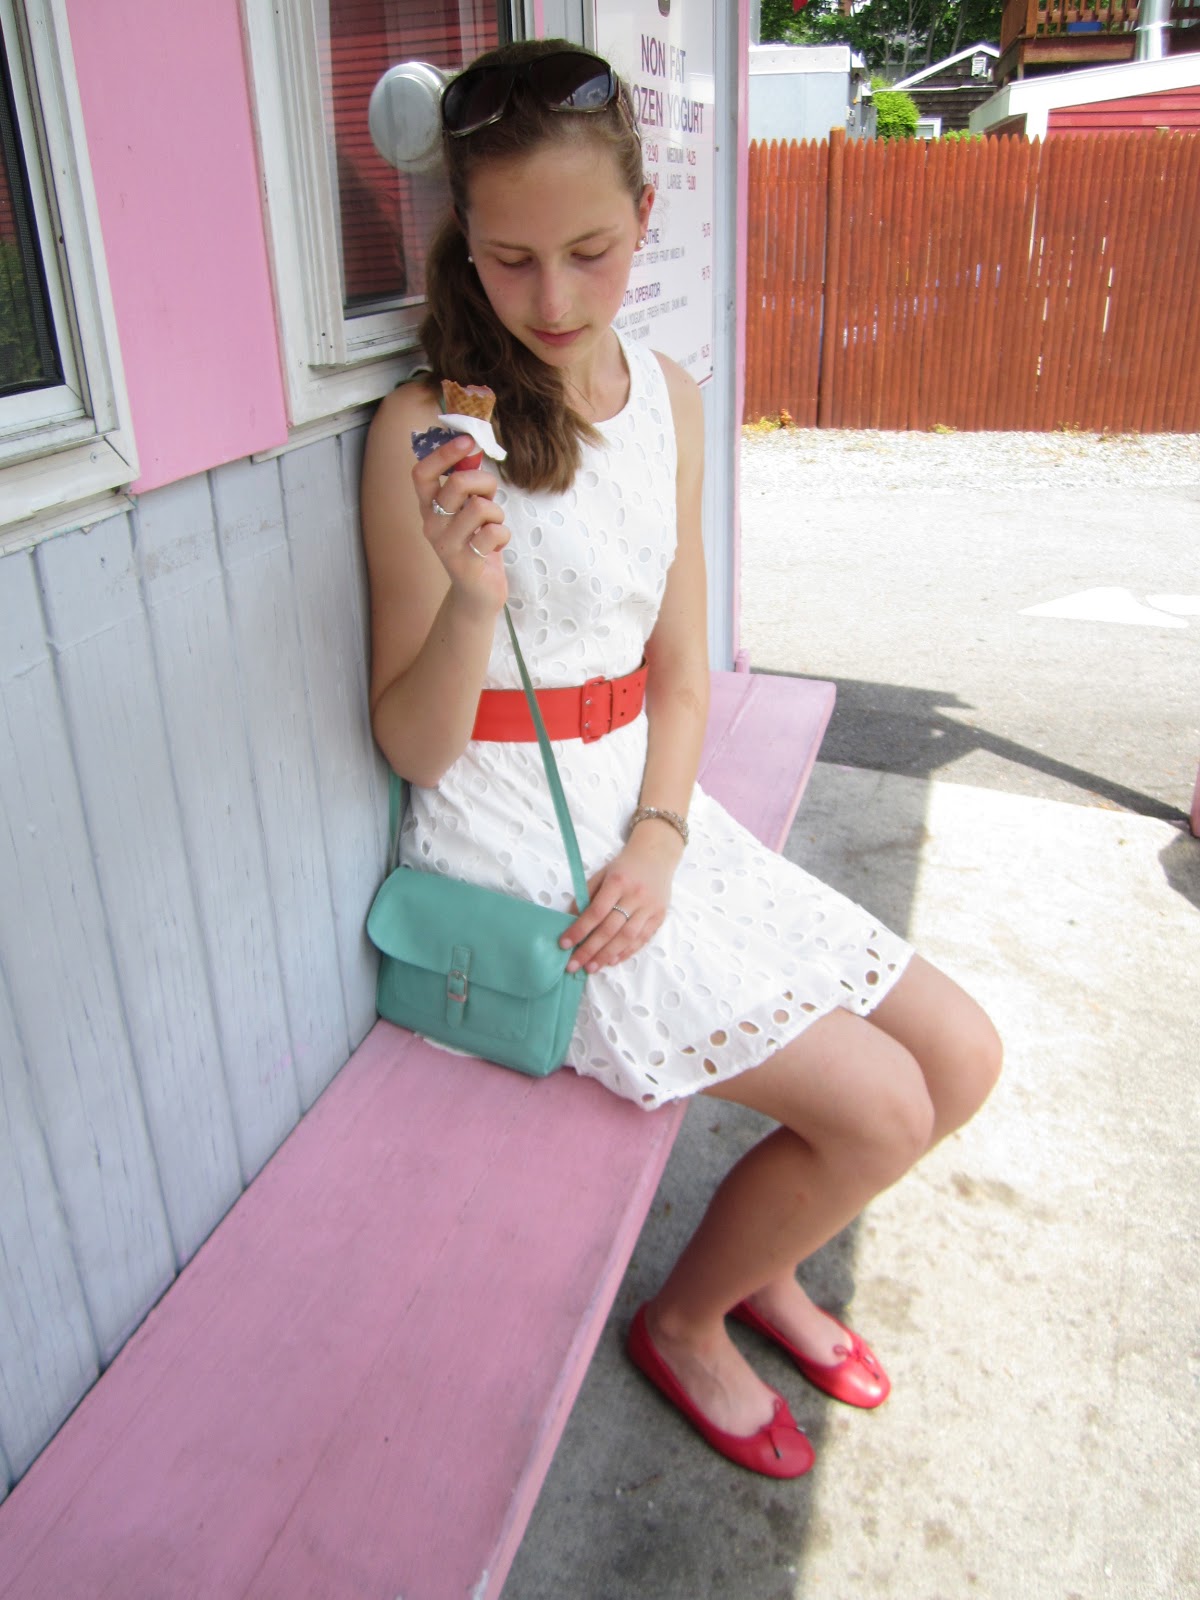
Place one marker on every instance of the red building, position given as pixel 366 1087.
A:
pixel 1133 94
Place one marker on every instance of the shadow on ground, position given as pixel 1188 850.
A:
pixel 636 1506
pixel 920 733
pixel 1026 1287
pixel 1180 862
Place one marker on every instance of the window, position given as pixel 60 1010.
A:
pixel 29 356
pixel 64 424
pixel 348 232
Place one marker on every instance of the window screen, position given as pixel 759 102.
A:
pixel 386 217
pixel 28 348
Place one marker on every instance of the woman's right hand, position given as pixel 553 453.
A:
pixel 463 524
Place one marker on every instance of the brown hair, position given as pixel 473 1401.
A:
pixel 462 336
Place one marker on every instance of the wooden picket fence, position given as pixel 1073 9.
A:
pixel 994 284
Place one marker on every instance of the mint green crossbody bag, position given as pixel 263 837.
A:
pixel 473 968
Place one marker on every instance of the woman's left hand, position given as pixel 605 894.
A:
pixel 628 901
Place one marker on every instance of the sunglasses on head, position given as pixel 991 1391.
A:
pixel 568 80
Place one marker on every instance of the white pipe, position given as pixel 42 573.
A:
pixel 1154 18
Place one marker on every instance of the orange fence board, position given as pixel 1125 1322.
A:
pixel 996 284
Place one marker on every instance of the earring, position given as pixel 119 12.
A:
pixel 471 259
pixel 642 242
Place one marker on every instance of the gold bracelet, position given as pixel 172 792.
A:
pixel 647 813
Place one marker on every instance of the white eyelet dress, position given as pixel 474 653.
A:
pixel 753 948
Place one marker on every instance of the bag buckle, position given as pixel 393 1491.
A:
pixel 457 985
pixel 596 713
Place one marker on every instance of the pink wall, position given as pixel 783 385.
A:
pixel 167 115
pixel 741 659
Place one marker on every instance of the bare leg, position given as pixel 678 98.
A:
pixel 855 1115
pixel 859 1102
pixel 958 1053
pixel 955 1045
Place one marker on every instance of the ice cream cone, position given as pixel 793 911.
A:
pixel 469 400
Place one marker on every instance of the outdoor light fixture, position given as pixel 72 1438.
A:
pixel 404 116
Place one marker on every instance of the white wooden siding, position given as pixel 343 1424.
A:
pixel 193 820
pixel 197 674
pixel 67 1005
pixel 331 591
pixel 101 641
pixel 262 605
pixel 49 1354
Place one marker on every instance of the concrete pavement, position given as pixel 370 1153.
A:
pixel 1031 1287
pixel 923 605
pixel 1012 803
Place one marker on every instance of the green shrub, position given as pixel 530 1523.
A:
pixel 963 133
pixel 896 114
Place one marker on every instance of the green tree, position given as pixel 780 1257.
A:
pixel 894 37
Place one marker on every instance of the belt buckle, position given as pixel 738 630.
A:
pixel 591 717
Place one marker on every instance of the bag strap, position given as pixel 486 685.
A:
pixel 398 787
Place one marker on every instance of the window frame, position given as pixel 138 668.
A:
pixel 62 446
pixel 331 362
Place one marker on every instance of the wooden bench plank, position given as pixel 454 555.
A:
pixel 357 1386
pixel 762 745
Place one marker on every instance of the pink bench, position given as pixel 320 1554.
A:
pixel 356 1387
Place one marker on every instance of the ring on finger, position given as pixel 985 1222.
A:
pixel 440 508
pixel 623 912
pixel 474 549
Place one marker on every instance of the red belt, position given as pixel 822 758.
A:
pixel 588 711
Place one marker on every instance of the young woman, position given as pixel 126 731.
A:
pixel 714 966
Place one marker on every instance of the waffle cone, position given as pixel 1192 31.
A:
pixel 469 400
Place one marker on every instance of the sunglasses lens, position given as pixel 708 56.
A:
pixel 568 81
pixel 474 98
pixel 573 82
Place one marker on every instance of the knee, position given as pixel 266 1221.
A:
pixel 978 1055
pixel 898 1126
pixel 987 1060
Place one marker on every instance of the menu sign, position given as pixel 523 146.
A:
pixel 664 51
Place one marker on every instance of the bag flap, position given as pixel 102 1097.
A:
pixel 421 917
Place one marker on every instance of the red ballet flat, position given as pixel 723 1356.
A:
pixel 857 1379
pixel 780 1448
